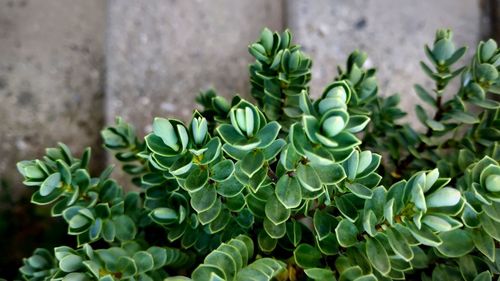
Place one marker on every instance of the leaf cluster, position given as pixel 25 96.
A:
pixel 292 188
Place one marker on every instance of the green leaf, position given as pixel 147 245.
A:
pixel 357 123
pixel 203 199
pixel 360 190
pixel 222 170
pixel 164 215
pixel 323 223
pixel 70 263
pixel 421 114
pixel 65 171
pixel 266 242
pixel 456 243
pixel 229 134
pixel 159 256
pixel 346 233
pixel 125 228
pixel 320 274
pixel 330 174
pixel 483 276
pixel 127 266
pixel 424 235
pixel 424 95
pixel 377 256
pixel 307 256
pixel 294 232
pixel 484 243
pixel 276 211
pixel 252 162
pixel 346 206
pixel 399 244
pixel 275 231
pixel 464 117
pixel 196 179
pixel 164 129
pixel 444 197
pixel 230 187
pixel 435 125
pixel 144 261
pixel 261 269
pixel 308 178
pixel 288 192
pixel 273 149
pixel 50 183
pixel 204 271
pixel 268 134
pixel 490 226
pixel 220 222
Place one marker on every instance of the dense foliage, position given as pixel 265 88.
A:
pixel 293 188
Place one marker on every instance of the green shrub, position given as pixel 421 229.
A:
pixel 293 188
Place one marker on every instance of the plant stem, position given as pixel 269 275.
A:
pixel 422 145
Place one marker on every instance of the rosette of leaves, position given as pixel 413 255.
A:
pixel 326 131
pixel 278 76
pixel 362 81
pixel 294 188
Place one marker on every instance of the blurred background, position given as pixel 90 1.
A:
pixel 67 68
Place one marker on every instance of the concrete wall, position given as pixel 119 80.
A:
pixel 66 66
pixel 51 78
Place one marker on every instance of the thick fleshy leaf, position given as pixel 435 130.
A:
pixel 276 211
pixel 164 215
pixel 490 226
pixel 196 179
pixel 125 228
pixel 330 174
pixel 222 170
pixel 294 232
pixel 377 256
pixel 307 256
pixel 252 162
pixel 268 134
pixel 266 242
pixel 275 231
pixel 308 178
pixel 164 129
pixel 230 187
pixel 346 233
pixel 424 235
pixel 360 190
pixel 319 274
pixel 399 244
pixel 443 198
pixel 50 183
pixel 484 243
pixel 357 123
pixel 203 199
pixel 456 243
pixel 288 191
pixel 70 263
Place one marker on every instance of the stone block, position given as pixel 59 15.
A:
pixel 161 53
pixel 51 62
pixel 392 32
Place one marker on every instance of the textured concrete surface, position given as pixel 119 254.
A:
pixel 161 53
pixel 51 61
pixel 392 32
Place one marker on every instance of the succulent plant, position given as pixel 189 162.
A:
pixel 293 188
